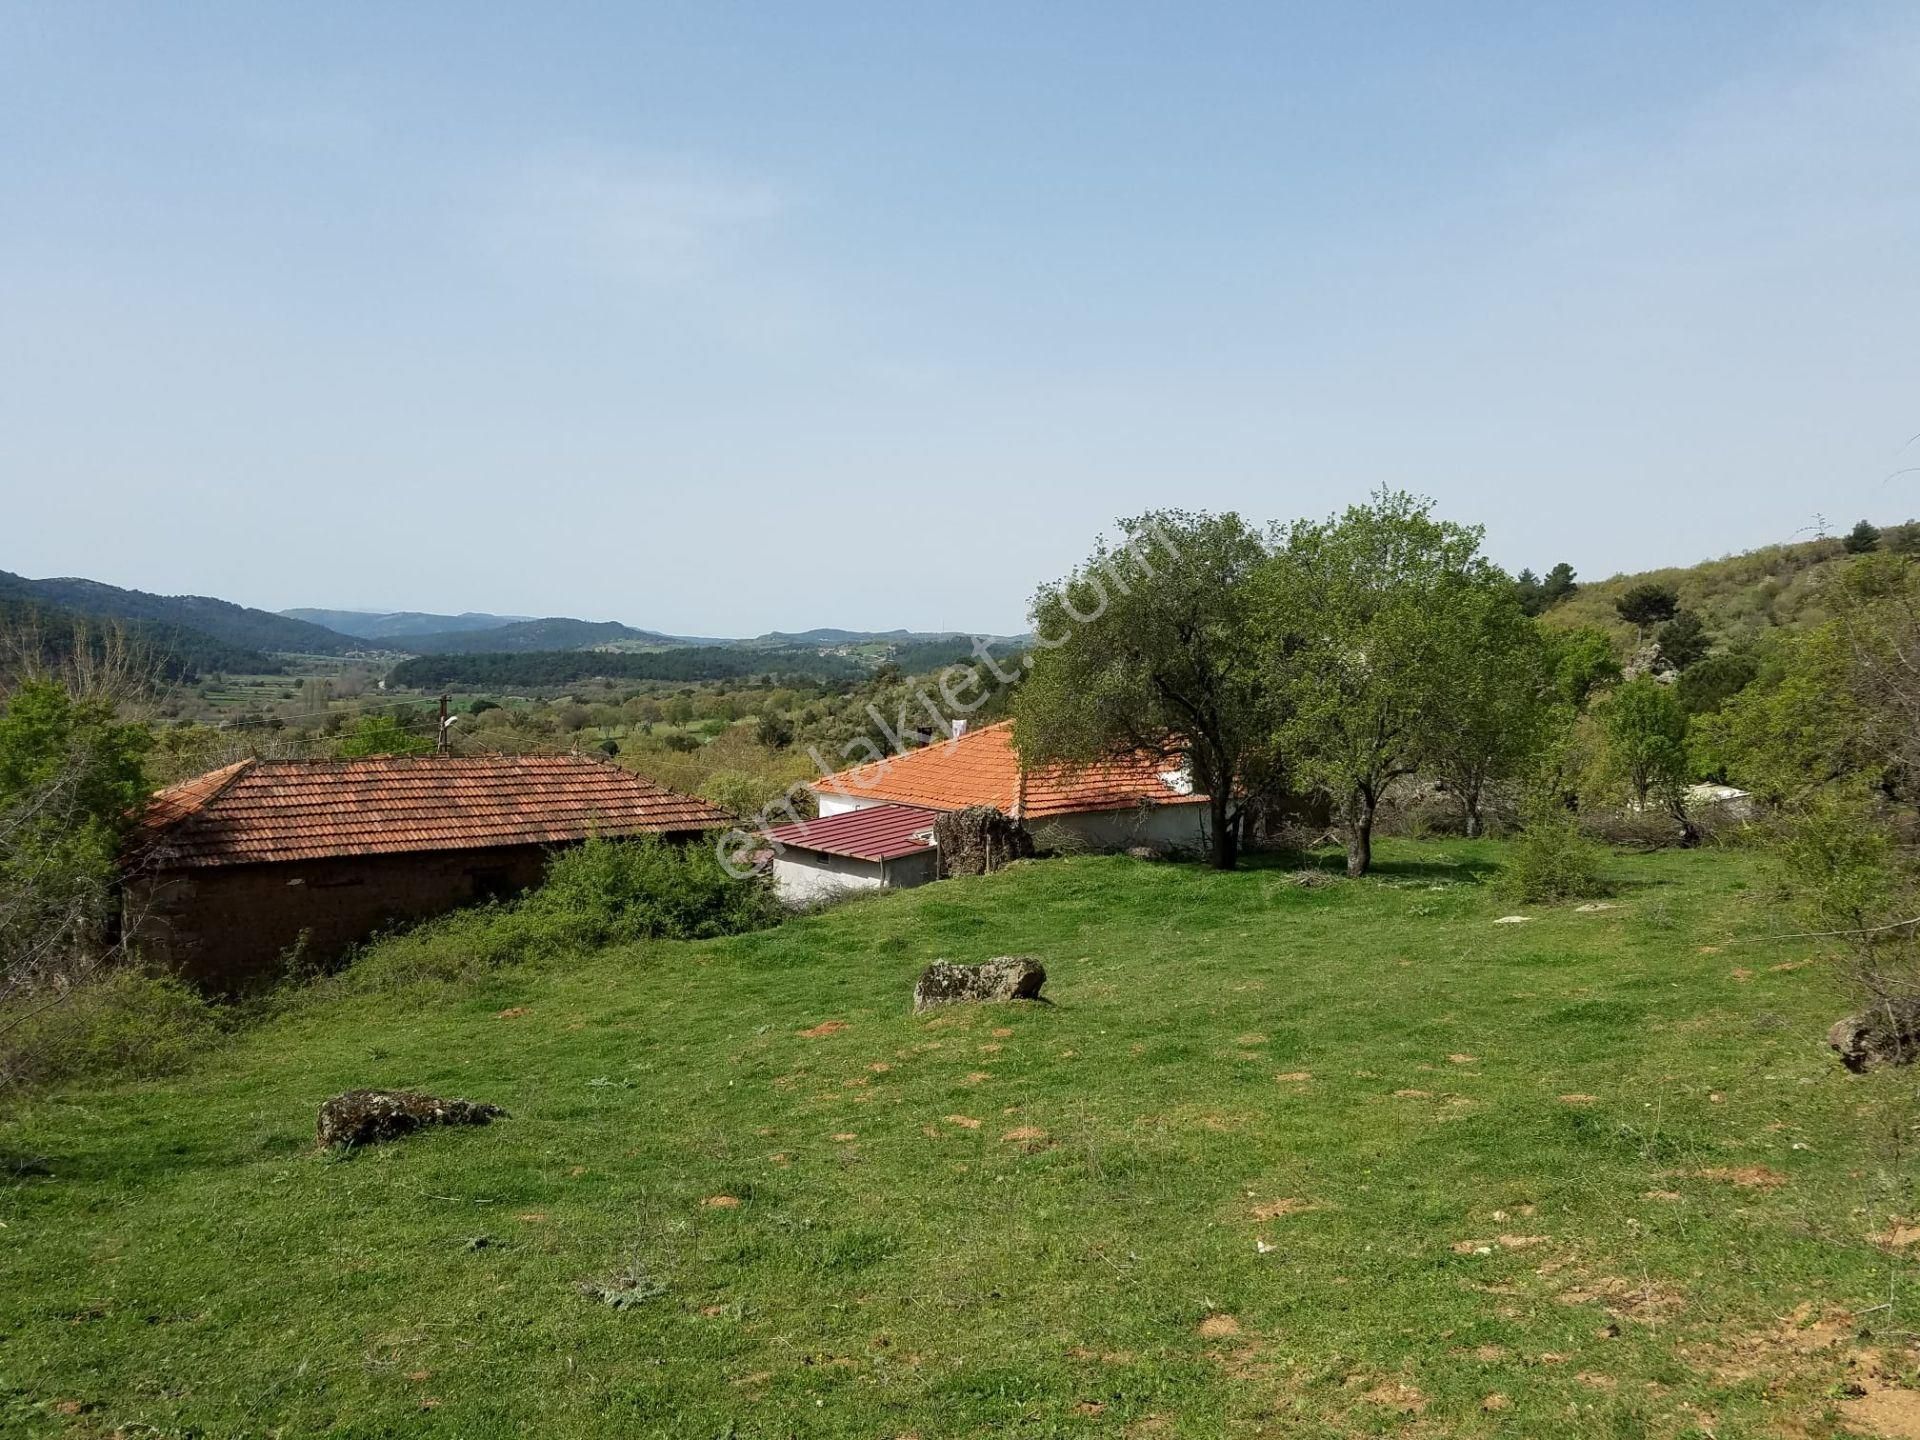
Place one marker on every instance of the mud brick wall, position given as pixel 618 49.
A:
pixel 229 928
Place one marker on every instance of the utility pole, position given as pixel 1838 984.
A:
pixel 443 744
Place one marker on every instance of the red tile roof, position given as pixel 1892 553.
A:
pixel 879 832
pixel 267 810
pixel 982 768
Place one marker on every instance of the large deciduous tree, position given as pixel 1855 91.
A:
pixel 1360 616
pixel 1149 646
pixel 1489 709
pixel 1646 735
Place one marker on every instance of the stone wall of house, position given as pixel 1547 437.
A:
pixel 230 928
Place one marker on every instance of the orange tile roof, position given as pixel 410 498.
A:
pixel 269 810
pixel 982 768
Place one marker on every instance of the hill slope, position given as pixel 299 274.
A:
pixel 1253 1162
pixel 168 652
pixel 498 670
pixel 555 632
pixel 1739 596
pixel 237 625
pixel 400 624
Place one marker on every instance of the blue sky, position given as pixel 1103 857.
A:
pixel 723 318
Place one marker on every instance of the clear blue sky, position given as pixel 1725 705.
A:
pixel 723 318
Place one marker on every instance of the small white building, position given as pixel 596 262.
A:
pixel 872 848
pixel 1114 804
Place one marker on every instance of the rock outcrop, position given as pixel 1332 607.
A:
pixel 1005 977
pixel 368 1117
pixel 1885 1033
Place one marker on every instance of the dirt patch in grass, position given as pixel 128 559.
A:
pixel 824 1028
pixel 1279 1209
pixel 1295 1077
pixel 1217 1327
pixel 1644 1301
pixel 721 1202
pixel 965 1122
pixel 1398 1396
pixel 1747 1177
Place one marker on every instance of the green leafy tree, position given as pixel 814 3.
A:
pixel 1863 539
pixel 1583 662
pixel 70 779
pixel 1684 639
pixel 1793 728
pixel 1149 646
pixel 382 735
pixel 1648 604
pixel 1646 740
pixel 1359 617
pixel 1711 683
pixel 1487 717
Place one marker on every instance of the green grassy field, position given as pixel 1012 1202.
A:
pixel 1340 1161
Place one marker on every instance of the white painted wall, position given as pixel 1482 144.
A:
pixel 832 802
pixel 803 877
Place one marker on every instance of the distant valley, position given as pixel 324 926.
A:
pixel 185 637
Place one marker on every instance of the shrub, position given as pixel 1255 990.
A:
pixel 609 891
pixel 123 1022
pixel 605 892
pixel 1551 859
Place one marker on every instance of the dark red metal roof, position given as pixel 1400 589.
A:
pixel 879 832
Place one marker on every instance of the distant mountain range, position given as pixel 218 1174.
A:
pixel 476 632
pixel 188 636
pixel 401 624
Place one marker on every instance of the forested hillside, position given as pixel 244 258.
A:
pixel 169 652
pixel 220 620
pixel 556 632
pixel 498 671
pixel 1738 596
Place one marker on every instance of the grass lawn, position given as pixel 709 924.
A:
pixel 1299 1162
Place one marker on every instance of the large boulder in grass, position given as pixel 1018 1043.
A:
pixel 367 1117
pixel 1005 977
pixel 1885 1033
